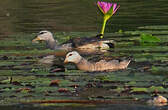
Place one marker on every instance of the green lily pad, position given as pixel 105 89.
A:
pixel 148 39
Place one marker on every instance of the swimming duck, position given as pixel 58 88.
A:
pixel 102 65
pixel 77 43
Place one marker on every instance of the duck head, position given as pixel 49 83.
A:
pixel 43 36
pixel 73 57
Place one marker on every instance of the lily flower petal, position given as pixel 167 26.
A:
pixel 115 8
pixel 104 6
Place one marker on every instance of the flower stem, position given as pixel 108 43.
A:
pixel 103 26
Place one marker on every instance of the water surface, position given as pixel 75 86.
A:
pixel 24 80
pixel 73 15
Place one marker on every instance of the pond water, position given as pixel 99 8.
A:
pixel 24 80
pixel 73 15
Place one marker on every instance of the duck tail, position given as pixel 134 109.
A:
pixel 110 43
pixel 124 64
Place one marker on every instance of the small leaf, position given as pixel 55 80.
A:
pixel 148 39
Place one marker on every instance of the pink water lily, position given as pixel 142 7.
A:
pixel 106 6
pixel 108 9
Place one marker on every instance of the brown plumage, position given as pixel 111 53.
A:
pixel 92 43
pixel 102 65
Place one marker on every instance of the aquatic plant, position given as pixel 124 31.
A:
pixel 108 9
pixel 148 39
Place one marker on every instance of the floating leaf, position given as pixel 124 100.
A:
pixel 157 88
pixel 136 89
pixel 148 39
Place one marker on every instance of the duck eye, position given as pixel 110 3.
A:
pixel 42 33
pixel 70 55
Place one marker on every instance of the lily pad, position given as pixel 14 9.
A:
pixel 148 39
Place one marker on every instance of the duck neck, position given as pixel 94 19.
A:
pixel 51 43
pixel 83 64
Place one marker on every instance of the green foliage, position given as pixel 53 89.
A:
pixel 136 89
pixel 120 31
pixel 148 39
pixel 157 88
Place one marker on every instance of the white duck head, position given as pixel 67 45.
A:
pixel 73 57
pixel 44 36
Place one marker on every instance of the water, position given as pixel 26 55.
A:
pixel 31 81
pixel 72 15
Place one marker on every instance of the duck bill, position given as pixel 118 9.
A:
pixel 65 61
pixel 36 39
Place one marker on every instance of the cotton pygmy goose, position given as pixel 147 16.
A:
pixel 77 43
pixel 51 43
pixel 102 65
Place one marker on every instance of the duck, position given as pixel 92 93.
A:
pixel 102 65
pixel 50 61
pixel 76 43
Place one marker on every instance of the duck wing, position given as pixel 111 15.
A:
pixel 112 65
pixel 96 40
pixel 78 41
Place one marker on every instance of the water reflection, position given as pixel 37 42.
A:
pixel 73 15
